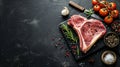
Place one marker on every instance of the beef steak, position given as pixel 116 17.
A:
pixel 88 30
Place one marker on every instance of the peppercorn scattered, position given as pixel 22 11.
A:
pixel 67 54
pixel 111 39
pixel 116 26
pixel 91 60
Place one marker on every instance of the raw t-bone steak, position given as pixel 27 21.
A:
pixel 88 30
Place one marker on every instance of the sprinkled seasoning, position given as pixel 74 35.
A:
pixel 62 47
pixel 56 45
pixel 82 64
pixel 67 54
pixel 57 41
pixel 91 60
pixel 111 39
pixel 116 26
pixel 73 47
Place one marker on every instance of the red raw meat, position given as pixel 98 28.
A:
pixel 88 30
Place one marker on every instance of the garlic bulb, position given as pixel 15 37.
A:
pixel 65 11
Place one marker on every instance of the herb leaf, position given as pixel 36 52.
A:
pixel 69 34
pixel 89 12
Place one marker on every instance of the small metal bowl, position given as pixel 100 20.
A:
pixel 111 43
pixel 108 52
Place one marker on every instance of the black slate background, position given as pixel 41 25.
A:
pixel 27 30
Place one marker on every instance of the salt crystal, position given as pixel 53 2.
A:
pixel 109 58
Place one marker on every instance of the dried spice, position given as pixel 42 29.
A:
pixel 56 45
pixel 111 39
pixel 62 47
pixel 91 60
pixel 73 47
pixel 116 26
pixel 74 51
pixel 67 54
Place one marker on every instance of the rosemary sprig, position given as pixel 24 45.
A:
pixel 89 12
pixel 69 34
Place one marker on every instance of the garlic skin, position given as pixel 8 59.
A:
pixel 65 11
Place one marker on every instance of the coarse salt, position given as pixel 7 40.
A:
pixel 109 58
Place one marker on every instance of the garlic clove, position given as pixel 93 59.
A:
pixel 65 11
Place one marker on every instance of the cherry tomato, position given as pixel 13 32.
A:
pixel 112 6
pixel 103 3
pixel 94 2
pixel 103 12
pixel 114 13
pixel 96 8
pixel 108 19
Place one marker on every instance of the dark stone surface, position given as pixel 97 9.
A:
pixel 29 32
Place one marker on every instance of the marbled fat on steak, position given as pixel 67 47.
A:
pixel 88 30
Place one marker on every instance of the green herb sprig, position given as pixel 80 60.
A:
pixel 78 51
pixel 89 12
pixel 69 34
